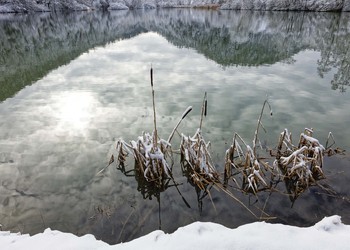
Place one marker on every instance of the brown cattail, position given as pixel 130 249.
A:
pixel 188 110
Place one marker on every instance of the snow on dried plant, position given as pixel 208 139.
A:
pixel 301 165
pixel 197 165
pixel 195 156
pixel 196 162
pixel 243 165
pixel 298 166
pixel 153 157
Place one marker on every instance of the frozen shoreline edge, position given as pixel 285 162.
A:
pixel 329 233
pixel 25 6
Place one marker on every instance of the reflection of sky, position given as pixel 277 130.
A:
pixel 55 134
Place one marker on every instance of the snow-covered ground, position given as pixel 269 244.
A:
pixel 329 233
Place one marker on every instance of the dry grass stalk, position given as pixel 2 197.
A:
pixel 245 168
pixel 198 166
pixel 196 161
pixel 155 136
pixel 152 155
pixel 199 169
pixel 242 161
pixel 298 166
pixel 153 166
pixel 266 102
pixel 329 150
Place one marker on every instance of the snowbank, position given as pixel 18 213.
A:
pixel 329 233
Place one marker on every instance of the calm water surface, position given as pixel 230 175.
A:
pixel 70 85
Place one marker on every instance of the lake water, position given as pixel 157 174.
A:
pixel 72 84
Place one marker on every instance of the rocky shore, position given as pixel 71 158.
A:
pixel 23 6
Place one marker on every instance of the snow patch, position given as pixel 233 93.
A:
pixel 329 233
pixel 330 224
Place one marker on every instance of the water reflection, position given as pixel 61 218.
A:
pixel 55 134
pixel 74 110
pixel 33 45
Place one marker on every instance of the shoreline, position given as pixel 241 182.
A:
pixel 29 6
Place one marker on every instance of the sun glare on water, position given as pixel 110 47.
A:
pixel 74 110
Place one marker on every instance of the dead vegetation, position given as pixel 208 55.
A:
pixel 297 166
pixel 243 165
pixel 302 165
pixel 247 168
pixel 153 157
pixel 196 162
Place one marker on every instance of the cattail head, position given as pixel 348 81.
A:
pixel 151 73
pixel 205 104
pixel 188 110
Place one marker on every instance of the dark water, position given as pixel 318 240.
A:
pixel 70 85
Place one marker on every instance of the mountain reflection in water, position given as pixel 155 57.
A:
pixel 33 45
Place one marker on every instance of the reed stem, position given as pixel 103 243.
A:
pixel 154 112
pixel 260 124
pixel 204 110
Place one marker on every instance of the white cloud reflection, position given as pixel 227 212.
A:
pixel 73 110
pixel 56 133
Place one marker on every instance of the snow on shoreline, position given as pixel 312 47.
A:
pixel 329 233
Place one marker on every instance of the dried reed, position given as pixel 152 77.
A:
pixel 196 162
pixel 299 167
pixel 153 157
pixel 242 162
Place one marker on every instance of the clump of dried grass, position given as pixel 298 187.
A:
pixel 245 168
pixel 243 165
pixel 153 161
pixel 301 165
pixel 195 156
pixel 196 162
pixel 197 165
pixel 153 157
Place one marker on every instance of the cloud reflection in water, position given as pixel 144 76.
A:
pixel 56 134
pixel 73 110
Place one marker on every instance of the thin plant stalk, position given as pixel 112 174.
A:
pixel 154 111
pixel 188 110
pixel 260 124
pixel 204 109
